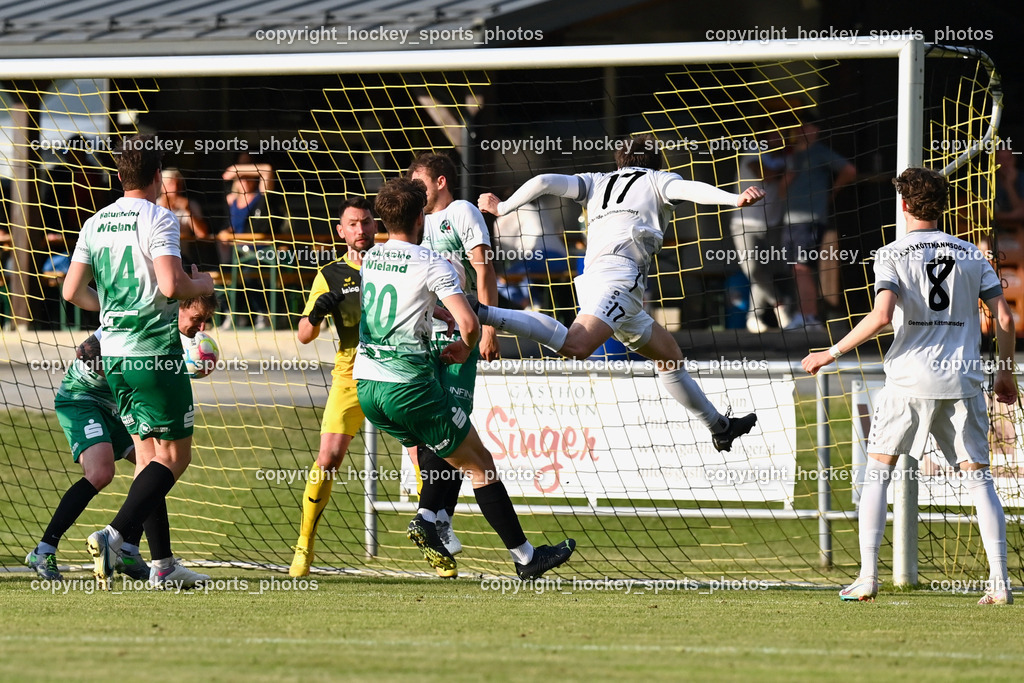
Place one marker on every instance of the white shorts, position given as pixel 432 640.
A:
pixel 612 289
pixel 901 425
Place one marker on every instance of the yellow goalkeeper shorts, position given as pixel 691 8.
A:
pixel 342 414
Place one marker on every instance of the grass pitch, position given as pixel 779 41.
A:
pixel 427 629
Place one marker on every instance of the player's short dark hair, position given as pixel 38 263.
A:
pixel 138 161
pixel 436 165
pixel 925 191
pixel 399 203
pixel 638 151
pixel 208 302
pixel 356 202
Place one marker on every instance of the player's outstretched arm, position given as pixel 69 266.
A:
pixel 309 325
pixel 76 287
pixel 1004 386
pixel 867 328
pixel 469 328
pixel 567 186
pixel 679 190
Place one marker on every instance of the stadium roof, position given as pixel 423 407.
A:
pixel 71 28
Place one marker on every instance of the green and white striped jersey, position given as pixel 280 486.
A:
pixel 401 285
pixel 120 242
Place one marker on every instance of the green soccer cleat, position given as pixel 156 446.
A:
pixel 44 565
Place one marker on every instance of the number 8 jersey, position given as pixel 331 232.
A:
pixel 937 279
pixel 120 243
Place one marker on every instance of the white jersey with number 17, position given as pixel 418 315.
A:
pixel 937 279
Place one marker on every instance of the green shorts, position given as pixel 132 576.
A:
pixel 457 379
pixel 87 423
pixel 417 413
pixel 153 394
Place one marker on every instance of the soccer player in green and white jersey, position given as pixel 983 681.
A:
pixel 456 230
pixel 87 413
pixel 397 379
pixel 132 248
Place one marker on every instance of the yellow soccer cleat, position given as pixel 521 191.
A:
pixel 300 563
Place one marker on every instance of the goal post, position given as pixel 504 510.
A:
pixel 610 458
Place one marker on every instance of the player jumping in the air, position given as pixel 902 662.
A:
pixel 132 248
pixel 625 224
pixel 456 230
pixel 88 415
pixel 928 283
pixel 335 292
pixel 397 379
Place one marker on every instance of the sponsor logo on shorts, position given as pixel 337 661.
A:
pixel 459 417
pixel 128 420
pixel 74 448
pixel 190 416
pixel 440 446
pixel 144 428
pixel 93 429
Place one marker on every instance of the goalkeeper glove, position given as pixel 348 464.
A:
pixel 325 303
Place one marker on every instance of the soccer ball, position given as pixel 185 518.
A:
pixel 201 354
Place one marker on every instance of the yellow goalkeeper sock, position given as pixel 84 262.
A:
pixel 419 476
pixel 314 500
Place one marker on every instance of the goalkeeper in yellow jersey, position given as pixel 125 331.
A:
pixel 335 292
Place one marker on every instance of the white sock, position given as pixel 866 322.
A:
pixel 522 554
pixel 442 516
pixel 114 539
pixel 542 329
pixel 871 515
pixel 684 390
pixel 429 516
pixel 992 523
pixel 130 549
pixel 46 549
pixel 163 563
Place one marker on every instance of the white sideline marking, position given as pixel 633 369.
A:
pixel 681 649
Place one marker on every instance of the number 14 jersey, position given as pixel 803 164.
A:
pixel 937 279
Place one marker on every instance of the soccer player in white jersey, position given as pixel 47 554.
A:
pixel 397 378
pixel 928 283
pixel 456 230
pixel 625 229
pixel 132 249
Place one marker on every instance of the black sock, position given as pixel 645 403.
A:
pixel 158 532
pixel 435 473
pixel 74 502
pixel 146 492
pixel 497 509
pixel 451 493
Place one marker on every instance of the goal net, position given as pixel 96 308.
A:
pixel 594 450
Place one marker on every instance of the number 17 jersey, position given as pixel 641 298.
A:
pixel 937 279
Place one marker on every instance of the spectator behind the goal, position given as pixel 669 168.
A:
pixel 814 175
pixel 247 201
pixel 194 228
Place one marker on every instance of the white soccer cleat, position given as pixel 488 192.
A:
pixel 754 324
pixel 448 537
pixel 175 576
pixel 1002 596
pixel 860 590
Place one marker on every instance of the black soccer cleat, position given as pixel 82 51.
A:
pixel 424 535
pixel 546 557
pixel 738 426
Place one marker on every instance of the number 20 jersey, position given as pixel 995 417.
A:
pixel 938 280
